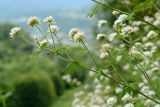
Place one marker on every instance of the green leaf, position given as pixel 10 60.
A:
pixel 58 50
pixel 37 53
pixel 143 6
pixel 134 86
pixel 130 17
pixel 99 74
pixel 93 11
pixel 72 66
pixel 7 95
pixel 61 49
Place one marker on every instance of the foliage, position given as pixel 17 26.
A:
pixel 59 83
pixel 126 72
pixel 31 90
pixel 66 99
pixel 17 61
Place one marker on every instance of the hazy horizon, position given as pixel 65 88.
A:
pixel 42 4
pixel 74 11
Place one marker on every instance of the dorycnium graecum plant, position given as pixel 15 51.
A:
pixel 128 60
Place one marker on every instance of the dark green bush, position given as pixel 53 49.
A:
pixel 59 83
pixel 34 89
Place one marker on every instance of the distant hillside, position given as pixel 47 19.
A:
pixel 65 19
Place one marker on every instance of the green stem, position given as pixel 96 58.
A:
pixel 43 34
pixel 120 83
pixel 61 44
pixel 146 76
pixel 127 6
pixel 4 102
pixel 57 38
pixel 156 45
pixel 27 41
pixel 90 54
pixel 52 36
pixel 120 73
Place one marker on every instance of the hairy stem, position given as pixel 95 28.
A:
pixel 43 34
pixel 52 36
pixel 84 45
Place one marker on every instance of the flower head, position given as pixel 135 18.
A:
pixel 112 36
pixel 126 97
pixel 106 47
pixel 53 29
pixel 33 21
pixel 157 105
pixel 79 37
pixel 111 101
pixel 105 50
pixel 122 17
pixel 133 51
pixel 49 20
pixel 43 43
pixel 115 13
pixel 101 23
pixel 129 105
pixel 14 31
pixel 103 55
pixel 101 36
pixel 127 30
pixel 152 34
pixel 73 32
pixel 120 20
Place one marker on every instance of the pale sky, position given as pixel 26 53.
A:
pixel 44 4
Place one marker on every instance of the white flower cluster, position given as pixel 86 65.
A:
pixel 96 94
pixel 51 23
pixel 33 21
pixel 127 30
pixel 148 19
pixel 49 20
pixel 152 34
pixel 115 13
pixel 14 31
pixel 43 43
pixel 120 20
pixel 112 36
pixel 105 49
pixel 111 101
pixel 101 23
pixel 53 29
pixel 71 81
pixel 73 32
pixel 76 34
pixel 129 105
pixel 147 91
pixel 101 36
pixel 86 98
pixel 127 97
pixel 134 51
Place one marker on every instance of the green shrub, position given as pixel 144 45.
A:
pixel 34 89
pixel 59 83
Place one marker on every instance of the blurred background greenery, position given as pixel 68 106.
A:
pixel 27 81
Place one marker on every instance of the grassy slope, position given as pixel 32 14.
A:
pixel 66 99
